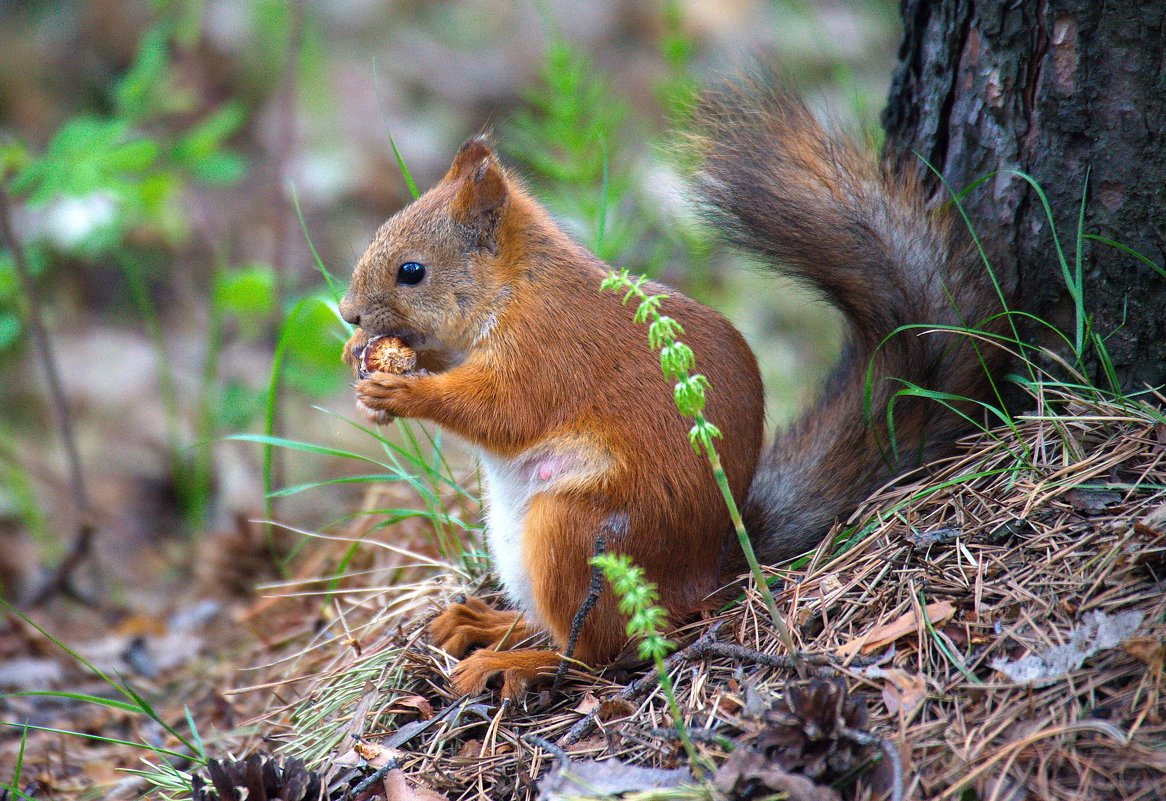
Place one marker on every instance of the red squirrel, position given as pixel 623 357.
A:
pixel 553 381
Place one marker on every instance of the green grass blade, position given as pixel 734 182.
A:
pixel 1078 279
pixel 408 176
pixel 334 287
pixel 311 485
pixel 200 748
pixel 404 169
pixel 12 788
pixel 296 445
pixel 121 686
pixel 396 450
pixel 18 770
pixel 90 699
pixel 269 410
pixel 143 746
pixel 1128 251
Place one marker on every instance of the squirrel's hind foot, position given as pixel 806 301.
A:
pixel 475 624
pixel 518 670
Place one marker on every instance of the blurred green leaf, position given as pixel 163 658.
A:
pixel 138 91
pixel 208 136
pixel 247 293
pixel 10 327
pixel 201 148
pixel 9 286
pixel 86 155
pixel 313 348
pixel 220 169
pixel 241 404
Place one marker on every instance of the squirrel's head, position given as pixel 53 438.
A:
pixel 434 274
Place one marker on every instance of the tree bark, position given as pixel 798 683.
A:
pixel 1072 93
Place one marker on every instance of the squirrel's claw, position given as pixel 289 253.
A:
pixel 518 669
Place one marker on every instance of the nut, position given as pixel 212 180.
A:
pixel 385 355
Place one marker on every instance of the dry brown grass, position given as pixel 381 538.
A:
pixel 1009 545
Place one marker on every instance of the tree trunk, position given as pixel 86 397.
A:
pixel 1072 93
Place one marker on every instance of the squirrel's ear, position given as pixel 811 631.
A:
pixel 472 152
pixel 482 190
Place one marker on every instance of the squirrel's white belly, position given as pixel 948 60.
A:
pixel 511 483
pixel 506 499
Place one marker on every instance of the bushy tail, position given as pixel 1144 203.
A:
pixel 823 211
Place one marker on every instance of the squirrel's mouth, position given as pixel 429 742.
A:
pixel 411 337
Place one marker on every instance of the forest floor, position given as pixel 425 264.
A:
pixel 993 628
pixel 997 626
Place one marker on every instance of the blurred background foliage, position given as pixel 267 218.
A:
pixel 181 171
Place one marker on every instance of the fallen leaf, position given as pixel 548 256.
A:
pixel 614 709
pixel 727 705
pixel 903 692
pixel 471 749
pixel 412 704
pixel 746 769
pixel 1149 650
pixel 397 788
pixel 1092 501
pixel 588 705
pixel 905 624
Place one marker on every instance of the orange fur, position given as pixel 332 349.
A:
pixel 473 623
pixel 518 669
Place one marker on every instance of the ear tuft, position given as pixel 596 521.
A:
pixel 482 189
pixel 473 151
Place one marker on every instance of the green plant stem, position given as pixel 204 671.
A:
pixel 783 631
pixel 271 426
pixel 677 361
pixel 699 768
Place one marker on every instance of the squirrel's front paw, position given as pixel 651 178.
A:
pixel 354 345
pixel 383 396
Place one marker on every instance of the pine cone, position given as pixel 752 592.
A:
pixel 257 778
pixel 804 731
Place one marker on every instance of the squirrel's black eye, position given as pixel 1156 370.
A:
pixel 410 273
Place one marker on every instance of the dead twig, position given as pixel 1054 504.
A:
pixel 283 148
pixel 539 742
pixel 593 593
pixel 706 649
pixel 61 580
pixel 636 689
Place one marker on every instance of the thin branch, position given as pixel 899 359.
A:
pixel 637 689
pixel 42 345
pixel 284 147
pixel 593 594
pixel 704 649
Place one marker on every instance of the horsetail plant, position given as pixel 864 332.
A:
pixel 646 620
pixel 677 362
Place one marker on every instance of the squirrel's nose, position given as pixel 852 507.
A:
pixel 348 311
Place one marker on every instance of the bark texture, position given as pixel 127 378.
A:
pixel 1060 90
